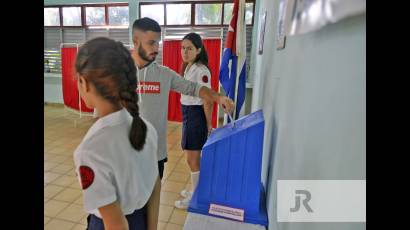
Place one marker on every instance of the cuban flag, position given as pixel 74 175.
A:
pixel 233 65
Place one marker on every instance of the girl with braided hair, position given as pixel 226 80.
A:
pixel 116 161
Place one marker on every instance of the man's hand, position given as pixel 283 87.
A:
pixel 210 95
pixel 226 103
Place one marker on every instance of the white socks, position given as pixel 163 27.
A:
pixel 194 180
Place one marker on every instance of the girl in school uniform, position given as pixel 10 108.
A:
pixel 197 114
pixel 116 161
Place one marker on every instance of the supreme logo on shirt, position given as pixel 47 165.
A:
pixel 149 87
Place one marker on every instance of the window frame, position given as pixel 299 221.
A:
pixel 83 14
pixel 209 3
pixel 62 16
pixel 176 3
pixel 115 5
pixel 153 3
pixel 193 11
pixel 105 15
pixel 59 15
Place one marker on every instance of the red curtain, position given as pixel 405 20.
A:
pixel 172 58
pixel 69 82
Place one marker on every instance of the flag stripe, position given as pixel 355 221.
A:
pixel 230 69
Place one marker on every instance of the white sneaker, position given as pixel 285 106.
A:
pixel 186 193
pixel 182 204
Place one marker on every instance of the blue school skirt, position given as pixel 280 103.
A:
pixel 136 220
pixel 194 127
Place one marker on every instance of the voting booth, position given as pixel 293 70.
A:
pixel 230 180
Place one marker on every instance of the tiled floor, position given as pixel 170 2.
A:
pixel 62 194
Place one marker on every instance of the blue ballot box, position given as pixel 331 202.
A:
pixel 230 180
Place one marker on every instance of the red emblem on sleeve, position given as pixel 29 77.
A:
pixel 87 176
pixel 205 79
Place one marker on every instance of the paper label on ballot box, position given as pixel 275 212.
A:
pixel 228 212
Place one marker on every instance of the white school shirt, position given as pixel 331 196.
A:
pixel 200 74
pixel 110 169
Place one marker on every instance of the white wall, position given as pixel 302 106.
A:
pixel 313 95
pixel 53 91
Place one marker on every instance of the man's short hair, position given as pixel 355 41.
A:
pixel 146 24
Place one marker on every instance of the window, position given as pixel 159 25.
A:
pixel 194 13
pixel 95 16
pixel 154 11
pixel 118 16
pixel 228 8
pixel 51 17
pixel 178 14
pixel 71 16
pixel 208 14
pixel 248 13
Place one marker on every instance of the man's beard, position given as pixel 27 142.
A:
pixel 143 55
